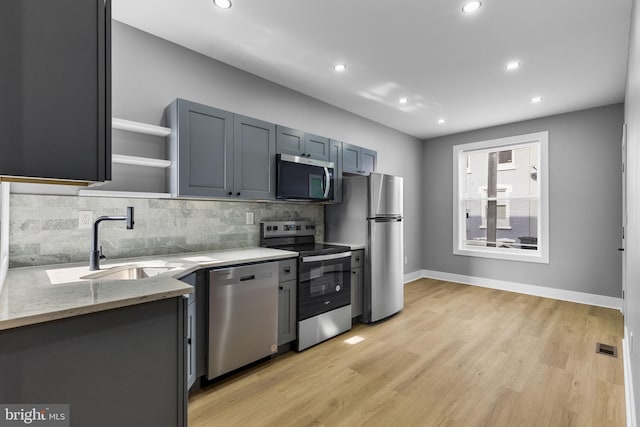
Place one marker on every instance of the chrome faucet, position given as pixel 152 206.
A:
pixel 96 253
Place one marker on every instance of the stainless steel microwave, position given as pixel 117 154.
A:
pixel 301 178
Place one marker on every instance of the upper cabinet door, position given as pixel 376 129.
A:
pixel 298 143
pixel 204 150
pixel 316 147
pixel 55 107
pixel 290 141
pixel 369 158
pixel 358 160
pixel 351 158
pixel 254 158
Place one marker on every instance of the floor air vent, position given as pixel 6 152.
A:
pixel 608 350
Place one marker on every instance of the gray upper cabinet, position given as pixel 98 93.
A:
pixel 55 80
pixel 254 158
pixel 358 160
pixel 369 158
pixel 218 154
pixel 298 143
pixel 290 141
pixel 316 147
pixel 201 150
pixel 335 156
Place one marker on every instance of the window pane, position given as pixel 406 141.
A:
pixel 521 178
pixel 476 176
pixel 516 225
pixel 505 156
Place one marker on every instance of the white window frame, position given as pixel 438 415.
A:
pixel 460 153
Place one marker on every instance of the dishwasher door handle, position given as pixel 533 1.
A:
pixel 245 278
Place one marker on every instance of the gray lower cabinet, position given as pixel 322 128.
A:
pixel 358 160
pixel 335 156
pixel 56 89
pixel 287 312
pixel 120 367
pixel 357 282
pixel 219 154
pixel 287 300
pixel 191 330
pixel 191 344
pixel 299 143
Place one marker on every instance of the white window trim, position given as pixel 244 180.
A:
pixel 541 254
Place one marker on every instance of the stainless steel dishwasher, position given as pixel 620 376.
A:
pixel 243 316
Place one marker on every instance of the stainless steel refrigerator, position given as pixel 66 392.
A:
pixel 371 214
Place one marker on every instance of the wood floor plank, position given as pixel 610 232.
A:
pixel 457 355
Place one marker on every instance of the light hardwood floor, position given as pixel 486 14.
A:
pixel 456 355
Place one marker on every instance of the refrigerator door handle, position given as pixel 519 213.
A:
pixel 386 219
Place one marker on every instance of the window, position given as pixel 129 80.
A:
pixel 501 207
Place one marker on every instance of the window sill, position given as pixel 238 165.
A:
pixel 524 255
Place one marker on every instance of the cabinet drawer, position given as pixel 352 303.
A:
pixel 288 270
pixel 357 259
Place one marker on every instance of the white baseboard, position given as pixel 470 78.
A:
pixel 539 291
pixel 410 277
pixel 629 396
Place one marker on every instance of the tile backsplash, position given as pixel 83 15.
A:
pixel 44 229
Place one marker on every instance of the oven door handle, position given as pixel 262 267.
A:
pixel 316 258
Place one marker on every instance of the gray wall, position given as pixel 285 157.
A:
pixel 585 204
pixel 632 253
pixel 149 73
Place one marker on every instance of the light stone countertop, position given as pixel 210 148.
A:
pixel 39 294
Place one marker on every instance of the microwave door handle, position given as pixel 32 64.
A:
pixel 327 182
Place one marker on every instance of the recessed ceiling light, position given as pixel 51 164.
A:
pixel 513 65
pixel 471 6
pixel 441 121
pixel 403 100
pixel 536 99
pixel 339 67
pixel 222 4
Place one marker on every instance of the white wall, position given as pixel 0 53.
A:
pixel 632 273
pixel 149 73
pixel 585 204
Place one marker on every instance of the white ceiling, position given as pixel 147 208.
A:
pixel 450 65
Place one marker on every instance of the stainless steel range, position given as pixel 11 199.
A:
pixel 324 280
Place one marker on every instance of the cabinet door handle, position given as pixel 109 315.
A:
pixel 281 288
pixel 238 193
pixel 230 193
pixel 357 258
pixel 353 272
pixel 287 269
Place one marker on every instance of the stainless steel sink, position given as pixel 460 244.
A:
pixel 127 272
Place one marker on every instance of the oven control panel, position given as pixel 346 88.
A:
pixel 287 228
